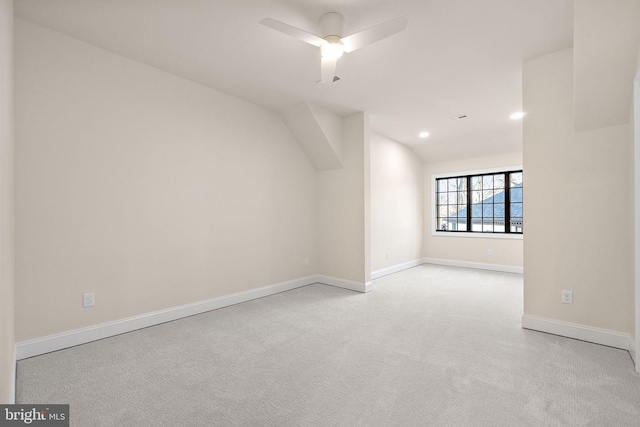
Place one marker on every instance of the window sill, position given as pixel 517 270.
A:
pixel 463 234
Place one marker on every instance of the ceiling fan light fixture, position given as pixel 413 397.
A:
pixel 332 45
pixel 333 48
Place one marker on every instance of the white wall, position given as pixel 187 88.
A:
pixel 579 209
pixel 606 38
pixel 635 195
pixel 396 204
pixel 7 342
pixel 343 208
pixel 507 253
pixel 145 188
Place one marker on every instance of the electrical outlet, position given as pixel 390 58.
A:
pixel 306 262
pixel 490 252
pixel 387 255
pixel 567 297
pixel 88 299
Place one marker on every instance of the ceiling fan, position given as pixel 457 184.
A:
pixel 333 45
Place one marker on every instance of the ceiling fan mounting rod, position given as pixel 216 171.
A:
pixel 331 24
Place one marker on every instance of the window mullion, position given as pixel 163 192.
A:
pixel 507 202
pixel 469 198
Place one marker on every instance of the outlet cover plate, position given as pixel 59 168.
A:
pixel 88 299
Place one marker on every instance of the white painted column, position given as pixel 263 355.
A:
pixel 7 337
pixel 636 190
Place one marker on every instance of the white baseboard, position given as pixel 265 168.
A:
pixel 346 284
pixel 396 268
pixel 75 337
pixel 632 352
pixel 35 347
pixel 580 332
pixel 477 265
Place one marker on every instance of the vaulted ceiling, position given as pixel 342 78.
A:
pixel 456 57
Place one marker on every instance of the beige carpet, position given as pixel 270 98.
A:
pixel 430 346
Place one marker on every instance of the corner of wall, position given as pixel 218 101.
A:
pixel 342 207
pixel 7 247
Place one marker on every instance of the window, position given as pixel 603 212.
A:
pixel 481 203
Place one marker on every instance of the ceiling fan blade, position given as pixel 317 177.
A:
pixel 327 70
pixel 373 34
pixel 293 31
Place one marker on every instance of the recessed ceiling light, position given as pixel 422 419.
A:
pixel 423 134
pixel 518 115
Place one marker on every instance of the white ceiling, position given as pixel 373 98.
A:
pixel 455 57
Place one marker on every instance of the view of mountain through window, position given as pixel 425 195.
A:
pixel 486 203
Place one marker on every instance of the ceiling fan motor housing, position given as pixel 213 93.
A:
pixel 331 24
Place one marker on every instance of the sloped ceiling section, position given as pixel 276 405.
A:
pixel 455 57
pixel 606 38
pixel 318 132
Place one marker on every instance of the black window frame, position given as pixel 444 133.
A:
pixel 468 189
